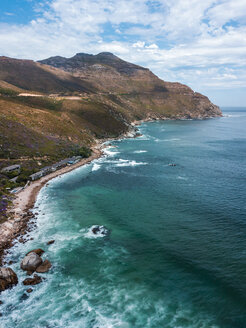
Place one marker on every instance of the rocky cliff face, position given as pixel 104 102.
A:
pixel 136 88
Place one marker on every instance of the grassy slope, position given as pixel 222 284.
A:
pixel 34 132
pixel 28 75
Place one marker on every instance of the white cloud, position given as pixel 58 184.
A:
pixel 195 42
pixel 139 44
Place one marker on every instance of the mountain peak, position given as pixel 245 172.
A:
pixel 108 54
pixel 82 61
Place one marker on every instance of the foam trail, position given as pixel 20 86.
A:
pixel 140 151
pixel 110 153
pixel 95 167
pixel 129 163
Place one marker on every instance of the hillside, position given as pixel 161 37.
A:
pixel 32 76
pixel 136 89
pixel 57 108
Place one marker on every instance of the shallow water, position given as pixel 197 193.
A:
pixel 176 256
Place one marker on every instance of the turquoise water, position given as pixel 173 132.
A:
pixel 176 256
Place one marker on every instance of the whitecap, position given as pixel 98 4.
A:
pixel 182 178
pixel 110 153
pixel 88 233
pixel 95 167
pixel 167 140
pixel 140 151
pixel 232 115
pixel 129 163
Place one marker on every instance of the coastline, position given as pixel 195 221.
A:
pixel 20 212
pixel 24 201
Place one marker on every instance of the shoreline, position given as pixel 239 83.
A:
pixel 24 201
pixel 21 213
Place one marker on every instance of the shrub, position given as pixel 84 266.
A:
pixel 84 152
pixel 7 92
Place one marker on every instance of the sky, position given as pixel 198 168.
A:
pixel 201 43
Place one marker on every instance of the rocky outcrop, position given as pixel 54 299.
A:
pixel 8 278
pixel 44 267
pixel 99 230
pixel 37 251
pixel 32 281
pixel 50 242
pixel 31 262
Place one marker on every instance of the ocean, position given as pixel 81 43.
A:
pixel 174 203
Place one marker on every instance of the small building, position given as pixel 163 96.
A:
pixel 11 168
pixel 14 179
pixel 37 175
pixel 48 169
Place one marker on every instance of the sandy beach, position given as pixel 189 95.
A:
pixel 24 201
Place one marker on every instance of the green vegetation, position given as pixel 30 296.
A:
pixel 24 175
pixel 8 92
pixel 39 102
pixel 85 152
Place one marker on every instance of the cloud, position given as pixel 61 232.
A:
pixel 200 43
pixel 9 14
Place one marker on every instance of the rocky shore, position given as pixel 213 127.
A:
pixel 21 214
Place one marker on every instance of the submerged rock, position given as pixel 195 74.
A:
pixel 24 297
pixel 100 230
pixel 29 290
pixel 31 261
pixel 44 267
pixel 32 281
pixel 8 278
pixel 50 242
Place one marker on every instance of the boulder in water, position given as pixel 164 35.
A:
pixel 32 281
pixel 100 230
pixel 8 278
pixel 38 251
pixel 44 267
pixel 31 262
pixel 50 242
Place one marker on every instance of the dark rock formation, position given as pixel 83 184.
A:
pixel 44 267
pixel 31 262
pixel 50 242
pixel 8 278
pixel 100 230
pixel 32 281
pixel 38 251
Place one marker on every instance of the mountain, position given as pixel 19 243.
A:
pixel 32 76
pixel 59 107
pixel 135 88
